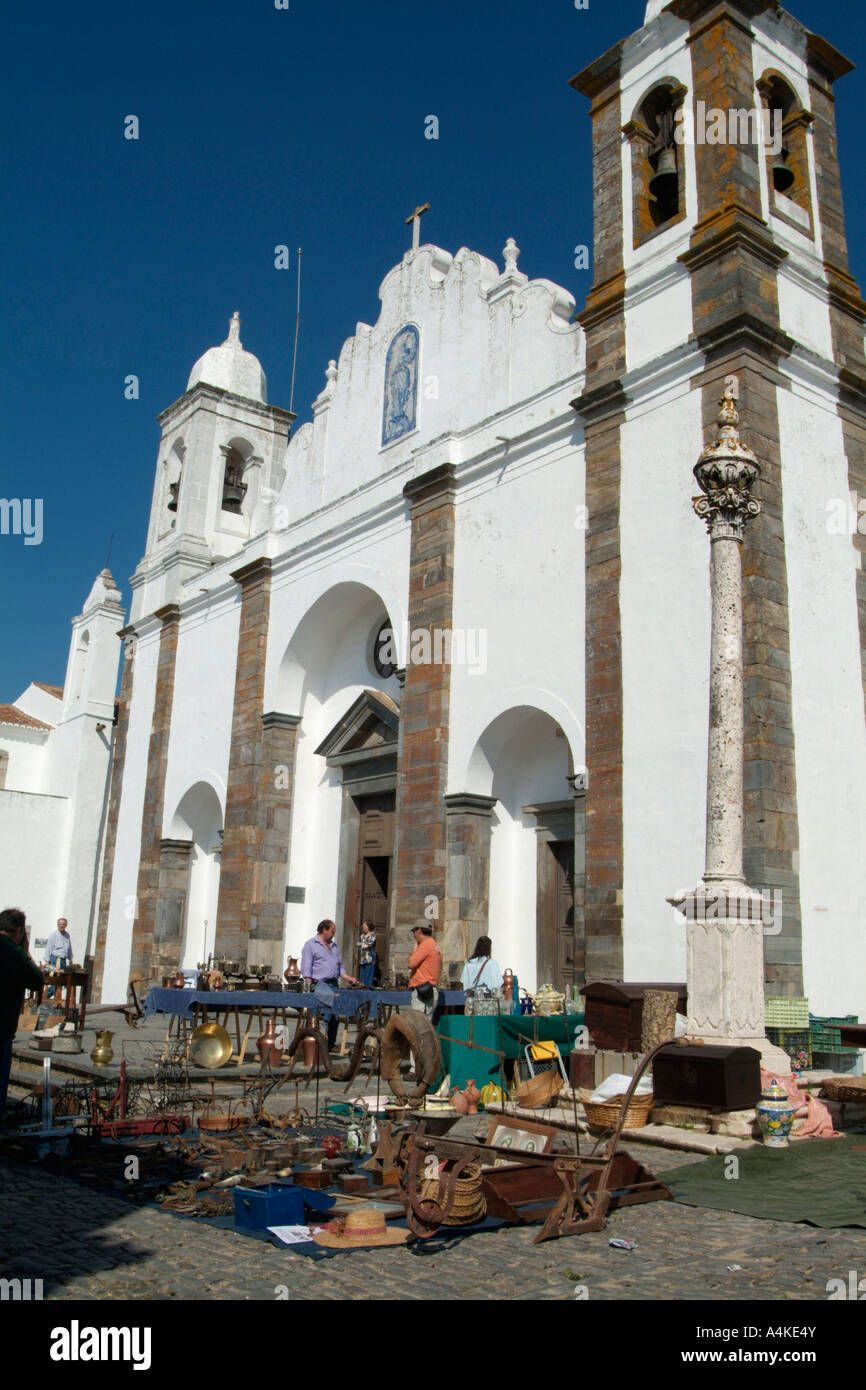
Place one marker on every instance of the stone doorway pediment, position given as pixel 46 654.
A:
pixel 368 729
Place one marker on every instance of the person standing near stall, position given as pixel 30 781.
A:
pixel 481 971
pixel 322 966
pixel 58 952
pixel 17 974
pixel 367 954
pixel 425 964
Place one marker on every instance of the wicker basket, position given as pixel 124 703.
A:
pixel 845 1088
pixel 469 1204
pixel 604 1114
pixel 539 1090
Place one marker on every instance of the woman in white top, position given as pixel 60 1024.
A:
pixel 480 969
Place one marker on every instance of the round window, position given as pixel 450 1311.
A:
pixel 384 651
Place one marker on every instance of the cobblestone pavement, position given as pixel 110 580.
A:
pixel 86 1245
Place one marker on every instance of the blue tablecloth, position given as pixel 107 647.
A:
pixel 347 1003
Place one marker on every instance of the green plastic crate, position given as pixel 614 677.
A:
pixel 782 1012
pixel 796 1042
pixel 826 1036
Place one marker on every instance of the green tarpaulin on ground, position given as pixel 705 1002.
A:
pixel 822 1181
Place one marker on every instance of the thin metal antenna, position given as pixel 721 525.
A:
pixel 297 327
pixel 108 555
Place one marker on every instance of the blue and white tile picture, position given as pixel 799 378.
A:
pixel 401 385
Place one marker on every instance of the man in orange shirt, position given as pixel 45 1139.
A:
pixel 425 963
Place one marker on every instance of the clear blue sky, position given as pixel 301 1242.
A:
pixel 258 127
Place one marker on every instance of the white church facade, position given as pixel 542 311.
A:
pixel 442 653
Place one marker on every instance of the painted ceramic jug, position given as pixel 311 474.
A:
pixel 775 1111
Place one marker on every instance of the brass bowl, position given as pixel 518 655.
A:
pixel 210 1046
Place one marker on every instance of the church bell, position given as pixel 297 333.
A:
pixel 783 176
pixel 663 184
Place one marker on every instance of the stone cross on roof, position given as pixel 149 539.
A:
pixel 415 219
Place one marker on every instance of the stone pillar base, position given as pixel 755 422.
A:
pixel 725 969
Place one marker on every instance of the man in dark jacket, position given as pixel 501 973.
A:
pixel 17 974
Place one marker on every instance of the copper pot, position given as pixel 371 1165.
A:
pixel 292 972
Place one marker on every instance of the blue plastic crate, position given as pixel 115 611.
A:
pixel 277 1204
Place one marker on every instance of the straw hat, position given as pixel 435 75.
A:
pixel 359 1228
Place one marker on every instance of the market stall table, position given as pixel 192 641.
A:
pixel 474 1045
pixel 191 1006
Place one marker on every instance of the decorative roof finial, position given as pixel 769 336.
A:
pixel 234 329
pixel 510 253
pixel 726 473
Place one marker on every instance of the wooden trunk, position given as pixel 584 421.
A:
pixel 614 1012
pixel 722 1076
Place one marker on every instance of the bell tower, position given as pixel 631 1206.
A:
pixel 219 468
pixel 720 251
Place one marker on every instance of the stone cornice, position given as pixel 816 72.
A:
pixel 844 291
pixel 826 60
pixel 469 803
pixel 601 403
pixel 605 299
pixel 743 332
pixel 255 571
pixel 275 720
pixel 169 614
pixel 600 75
pixel 440 482
pixel 203 392
pixel 733 228
pixel 704 14
pixel 852 391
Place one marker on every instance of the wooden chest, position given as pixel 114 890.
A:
pixel 614 1012
pixel 724 1076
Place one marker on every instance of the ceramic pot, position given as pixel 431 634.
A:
pixel 331 1145
pixel 270 1052
pixel 292 972
pixel 775 1111
pixel 103 1052
pixel 472 1096
pixel 459 1101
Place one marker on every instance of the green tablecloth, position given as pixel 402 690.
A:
pixel 509 1033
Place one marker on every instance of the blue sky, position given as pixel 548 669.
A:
pixel 260 127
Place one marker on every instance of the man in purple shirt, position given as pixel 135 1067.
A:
pixel 321 964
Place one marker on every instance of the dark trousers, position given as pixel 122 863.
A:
pixel 5 1068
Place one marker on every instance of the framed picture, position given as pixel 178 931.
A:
pixel 524 1136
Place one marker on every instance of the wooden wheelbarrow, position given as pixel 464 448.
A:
pixel 569 1192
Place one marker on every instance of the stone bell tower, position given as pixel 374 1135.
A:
pixel 720 250
pixel 219 468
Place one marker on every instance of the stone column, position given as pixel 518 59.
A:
pixel 127 636
pixel 174 860
pixel 724 921
pixel 142 962
pixel 422 766
pixel 261 778
pixel 467 881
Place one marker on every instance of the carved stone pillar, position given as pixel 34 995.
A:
pixel 468 821
pixel 259 799
pixel 174 860
pixel 724 917
pixel 142 961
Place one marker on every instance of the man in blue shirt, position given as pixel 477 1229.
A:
pixel 58 952
pixel 321 963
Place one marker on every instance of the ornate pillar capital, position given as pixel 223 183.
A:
pixel 726 472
